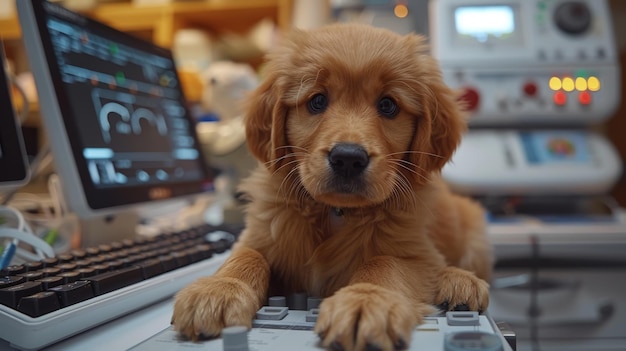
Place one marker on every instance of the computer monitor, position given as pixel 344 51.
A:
pixel 118 124
pixel 13 162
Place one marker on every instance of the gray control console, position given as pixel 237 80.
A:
pixel 278 327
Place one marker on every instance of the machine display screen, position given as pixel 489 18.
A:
pixel 119 100
pixel 485 24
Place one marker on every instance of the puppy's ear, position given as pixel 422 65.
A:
pixel 440 127
pixel 265 123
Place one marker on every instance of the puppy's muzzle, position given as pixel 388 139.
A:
pixel 348 160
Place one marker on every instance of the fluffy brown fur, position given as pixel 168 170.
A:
pixel 382 247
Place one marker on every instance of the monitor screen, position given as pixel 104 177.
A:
pixel 488 24
pixel 13 162
pixel 112 104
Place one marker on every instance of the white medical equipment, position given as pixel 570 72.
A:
pixel 546 71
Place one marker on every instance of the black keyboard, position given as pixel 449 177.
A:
pixel 111 280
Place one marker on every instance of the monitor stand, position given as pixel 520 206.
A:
pixel 106 229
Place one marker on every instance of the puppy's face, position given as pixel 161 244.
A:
pixel 356 115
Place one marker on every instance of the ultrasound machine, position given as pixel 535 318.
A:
pixel 122 138
pixel 539 79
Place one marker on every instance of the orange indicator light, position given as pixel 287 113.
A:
pixel 584 98
pixel 559 98
pixel 401 11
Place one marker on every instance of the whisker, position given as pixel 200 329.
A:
pixel 276 160
pixel 424 177
pixel 404 186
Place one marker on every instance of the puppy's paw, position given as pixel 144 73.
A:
pixel 462 290
pixel 367 317
pixel 209 304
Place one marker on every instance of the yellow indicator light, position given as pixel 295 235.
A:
pixel 593 83
pixel 401 11
pixel 568 84
pixel 581 84
pixel 555 83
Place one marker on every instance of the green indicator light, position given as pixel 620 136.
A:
pixel 581 73
pixel 114 49
pixel 120 78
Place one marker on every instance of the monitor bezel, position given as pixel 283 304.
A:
pixel 14 161
pixel 83 197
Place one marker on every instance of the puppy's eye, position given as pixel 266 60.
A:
pixel 388 108
pixel 317 104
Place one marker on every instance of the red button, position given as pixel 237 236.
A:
pixel 471 98
pixel 530 89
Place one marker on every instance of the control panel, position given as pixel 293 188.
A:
pixel 528 62
pixel 279 326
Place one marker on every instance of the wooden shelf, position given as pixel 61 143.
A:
pixel 162 21
pixel 159 23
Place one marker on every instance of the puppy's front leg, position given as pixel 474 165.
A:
pixel 380 307
pixel 230 297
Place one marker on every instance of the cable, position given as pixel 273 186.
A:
pixel 44 250
pixel 7 254
pixel 18 231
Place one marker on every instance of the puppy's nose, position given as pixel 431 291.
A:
pixel 348 160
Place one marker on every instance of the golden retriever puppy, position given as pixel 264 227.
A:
pixel 352 126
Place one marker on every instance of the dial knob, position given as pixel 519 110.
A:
pixel 573 17
pixel 470 98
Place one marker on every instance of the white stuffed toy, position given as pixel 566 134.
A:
pixel 225 85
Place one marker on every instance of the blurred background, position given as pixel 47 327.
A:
pixel 544 82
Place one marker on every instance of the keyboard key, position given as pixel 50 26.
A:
pixel 49 282
pixel 73 293
pixel 15 269
pixel 50 262
pixel 11 296
pixel 109 281
pixel 30 276
pixel 205 250
pixel 50 271
pixel 181 258
pixel 10 280
pixel 92 251
pixel 39 304
pixel 79 254
pixel 33 266
pixel 82 263
pixel 150 268
pixel 65 258
pixel 168 262
pixel 117 264
pixel 66 267
pixel 86 272
pixel 69 277
pixel 116 245
pixel 101 268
